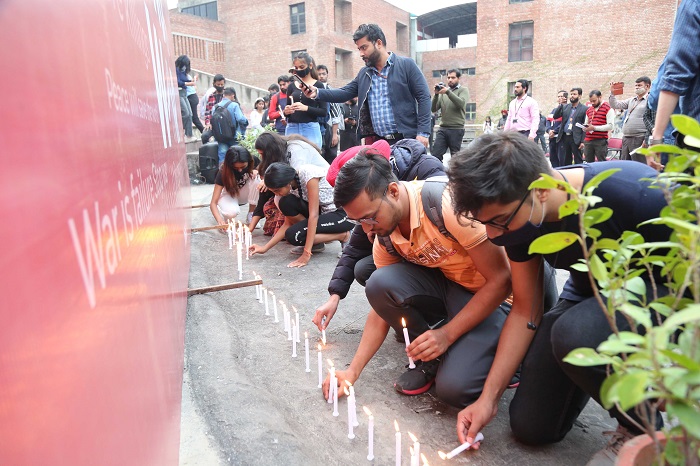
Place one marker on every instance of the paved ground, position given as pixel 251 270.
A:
pixel 246 401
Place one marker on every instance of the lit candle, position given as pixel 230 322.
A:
pixel 267 309
pixel 294 343
pixel 351 434
pixel 306 350
pixel 260 296
pixel 415 457
pixel 274 306
pixel 411 364
pixel 290 326
pixel 461 448
pixel 323 336
pixel 296 315
pixel 320 367
pixel 248 241
pixel 424 459
pixel 354 404
pixel 335 396
pixel 229 230
pixel 333 384
pixel 398 443
pixel 239 255
pixel 370 434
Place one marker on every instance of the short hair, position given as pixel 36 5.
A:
pixel 643 79
pixel 279 174
pixel 230 91
pixel 371 174
pixel 372 31
pixel 219 77
pixel 283 79
pixel 456 72
pixel 273 88
pixel 308 59
pixel 595 92
pixel 494 168
pixel 566 94
pixel 322 67
pixel 525 83
pixel 577 89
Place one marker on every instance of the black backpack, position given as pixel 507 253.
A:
pixel 222 125
pixel 431 197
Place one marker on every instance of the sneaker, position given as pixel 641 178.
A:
pixel 299 250
pixel 608 455
pixel 418 380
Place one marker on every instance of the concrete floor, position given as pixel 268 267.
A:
pixel 247 402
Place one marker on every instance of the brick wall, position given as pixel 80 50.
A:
pixel 202 40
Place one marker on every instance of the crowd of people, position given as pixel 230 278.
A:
pixel 447 249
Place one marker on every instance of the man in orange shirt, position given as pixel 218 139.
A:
pixel 450 288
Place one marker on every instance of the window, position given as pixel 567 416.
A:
pixel 519 1
pixel 471 111
pixel 439 73
pixel 205 10
pixel 342 11
pixel 297 16
pixel 468 71
pixel 295 52
pixel 520 41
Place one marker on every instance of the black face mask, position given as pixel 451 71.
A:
pixel 302 73
pixel 526 234
pixel 219 88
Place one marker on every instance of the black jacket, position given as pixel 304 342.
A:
pixel 564 111
pixel 409 161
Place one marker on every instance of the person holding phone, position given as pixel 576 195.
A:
pixel 301 112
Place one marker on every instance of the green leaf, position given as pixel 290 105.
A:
pixel 546 182
pixel 593 232
pixel 596 216
pixel 580 267
pixel 568 208
pixel 611 346
pixel 677 163
pixel 607 243
pixel 667 148
pixel 553 242
pixel 692 378
pixel 640 315
pixel 599 178
pixel 686 125
pixel 688 416
pixel 681 359
pixel 689 314
pixel 586 357
pixel 600 273
pixel 631 338
pixel 632 388
pixel 661 308
pixel 608 392
pixel 637 286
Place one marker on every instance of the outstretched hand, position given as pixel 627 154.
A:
pixel 472 419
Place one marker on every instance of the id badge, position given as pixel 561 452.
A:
pixel 515 120
pixel 570 126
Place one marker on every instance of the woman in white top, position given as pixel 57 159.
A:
pixel 488 127
pixel 310 216
pixel 255 118
pixel 236 183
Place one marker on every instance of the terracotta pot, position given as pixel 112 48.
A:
pixel 639 451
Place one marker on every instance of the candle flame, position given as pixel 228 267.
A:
pixel 366 410
pixel 413 437
pixel 295 309
pixel 323 339
pixel 348 382
pixel 424 459
pixel 330 363
pixel 442 455
pixel 403 322
pixel 347 393
pixel 319 348
pixel 411 450
pixel 306 334
pixel 396 425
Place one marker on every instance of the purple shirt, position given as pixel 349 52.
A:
pixel 523 115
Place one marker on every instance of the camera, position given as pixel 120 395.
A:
pixel 439 86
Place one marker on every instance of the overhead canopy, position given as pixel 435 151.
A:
pixel 450 21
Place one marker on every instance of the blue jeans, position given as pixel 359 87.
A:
pixel 223 147
pixel 310 131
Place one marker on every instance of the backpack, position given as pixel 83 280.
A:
pixel 222 125
pixel 431 197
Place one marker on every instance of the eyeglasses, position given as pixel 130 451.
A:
pixel 502 226
pixel 371 220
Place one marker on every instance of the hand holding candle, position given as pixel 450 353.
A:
pixel 411 364
pixel 461 448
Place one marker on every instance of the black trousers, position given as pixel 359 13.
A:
pixel 567 148
pixel 447 138
pixel 194 101
pixel 329 222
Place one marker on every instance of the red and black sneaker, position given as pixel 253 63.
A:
pixel 418 380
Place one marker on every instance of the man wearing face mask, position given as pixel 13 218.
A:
pixel 213 97
pixel 570 137
pixel 633 128
pixel 490 185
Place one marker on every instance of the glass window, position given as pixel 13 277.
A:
pixel 519 1
pixel 205 10
pixel 439 73
pixel 468 71
pixel 297 17
pixel 471 111
pixel 520 41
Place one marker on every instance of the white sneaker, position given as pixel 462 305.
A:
pixel 608 455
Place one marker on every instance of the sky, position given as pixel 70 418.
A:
pixel 417 7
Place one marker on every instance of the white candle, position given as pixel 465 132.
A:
pixel 298 329
pixel 296 316
pixel 351 434
pixel 354 404
pixel 290 325
pixel 335 397
pixel 260 296
pixel 332 380
pixel 479 438
pixel 411 364
pixel 370 434
pixel 294 343
pixel 229 230
pixel 416 450
pixel 424 459
pixel 306 350
pixel 323 336
pixel 247 243
pixel 239 255
pixel 267 309
pixel 274 306
pixel 320 367
pixel 398 443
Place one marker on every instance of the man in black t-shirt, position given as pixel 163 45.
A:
pixel 489 182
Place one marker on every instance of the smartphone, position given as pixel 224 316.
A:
pixel 302 83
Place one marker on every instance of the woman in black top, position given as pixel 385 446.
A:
pixel 301 112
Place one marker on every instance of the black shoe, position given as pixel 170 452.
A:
pixel 418 380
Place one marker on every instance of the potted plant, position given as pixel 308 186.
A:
pixel 656 365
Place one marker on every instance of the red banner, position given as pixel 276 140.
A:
pixel 95 262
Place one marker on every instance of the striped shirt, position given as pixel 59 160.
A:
pixel 599 117
pixel 380 109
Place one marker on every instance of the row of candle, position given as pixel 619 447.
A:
pixel 240 236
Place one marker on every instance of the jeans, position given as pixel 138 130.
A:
pixel 425 298
pixel 223 148
pixel 310 131
pixel 186 113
